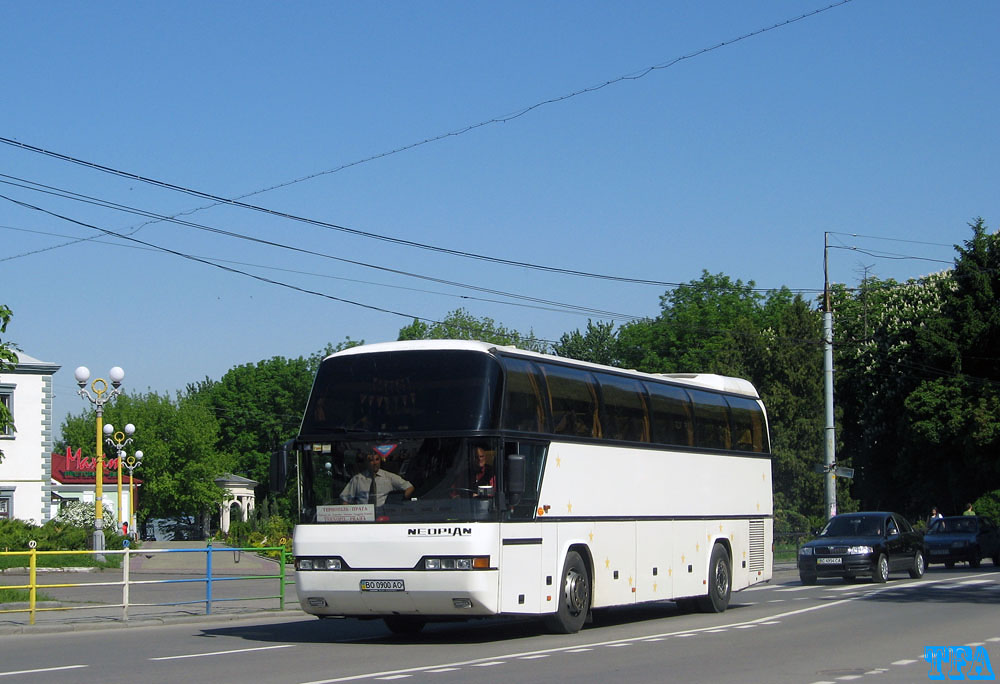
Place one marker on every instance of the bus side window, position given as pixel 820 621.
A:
pixel 624 413
pixel 673 422
pixel 534 461
pixel 748 424
pixel 524 409
pixel 573 401
pixel 711 420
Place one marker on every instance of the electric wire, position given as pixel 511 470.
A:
pixel 217 200
pixel 50 190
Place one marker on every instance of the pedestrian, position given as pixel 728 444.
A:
pixel 934 515
pixel 968 510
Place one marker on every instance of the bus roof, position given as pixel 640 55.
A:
pixel 711 381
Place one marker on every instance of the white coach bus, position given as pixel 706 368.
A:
pixel 446 480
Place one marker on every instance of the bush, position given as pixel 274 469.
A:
pixel 989 505
pixel 81 514
pixel 260 533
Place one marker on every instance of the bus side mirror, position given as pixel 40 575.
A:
pixel 515 474
pixel 278 472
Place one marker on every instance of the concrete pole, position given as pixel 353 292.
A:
pixel 830 460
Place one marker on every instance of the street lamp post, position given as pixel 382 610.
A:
pixel 132 462
pixel 118 441
pixel 100 388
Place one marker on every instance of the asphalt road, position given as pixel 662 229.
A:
pixel 831 632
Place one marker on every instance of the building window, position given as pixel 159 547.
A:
pixel 4 507
pixel 7 399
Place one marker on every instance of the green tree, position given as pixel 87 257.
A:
pixel 877 366
pixel 258 406
pixel 8 361
pixel 703 327
pixel 955 413
pixel 784 361
pixel 918 379
pixel 180 457
pixel 461 325
pixel 599 344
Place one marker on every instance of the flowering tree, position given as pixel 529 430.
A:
pixel 81 514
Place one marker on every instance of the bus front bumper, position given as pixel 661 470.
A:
pixel 452 594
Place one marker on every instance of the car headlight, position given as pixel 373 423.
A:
pixel 806 551
pixel 859 550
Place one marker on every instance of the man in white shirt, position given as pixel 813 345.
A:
pixel 360 487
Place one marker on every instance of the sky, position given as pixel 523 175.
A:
pixel 648 141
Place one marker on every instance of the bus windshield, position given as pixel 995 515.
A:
pixel 428 479
pixel 404 392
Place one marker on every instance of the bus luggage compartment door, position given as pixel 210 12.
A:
pixel 522 584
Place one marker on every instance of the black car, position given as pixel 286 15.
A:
pixel 962 538
pixel 862 544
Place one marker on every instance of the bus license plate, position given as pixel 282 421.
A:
pixel 382 585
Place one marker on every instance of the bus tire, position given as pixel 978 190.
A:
pixel 404 625
pixel 573 598
pixel 720 582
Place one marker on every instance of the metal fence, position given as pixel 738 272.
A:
pixel 150 580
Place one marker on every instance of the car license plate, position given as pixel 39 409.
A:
pixel 382 585
pixel 829 561
pixel 939 552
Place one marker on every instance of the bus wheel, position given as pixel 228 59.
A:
pixel 573 598
pixel 720 583
pixel 404 624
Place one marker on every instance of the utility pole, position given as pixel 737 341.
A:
pixel 830 460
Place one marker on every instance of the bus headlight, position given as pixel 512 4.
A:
pixel 457 563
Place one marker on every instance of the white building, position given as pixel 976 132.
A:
pixel 25 482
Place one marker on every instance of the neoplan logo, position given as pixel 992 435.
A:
pixel 956 663
pixel 439 531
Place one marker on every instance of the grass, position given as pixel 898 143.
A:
pixel 21 596
pixel 58 560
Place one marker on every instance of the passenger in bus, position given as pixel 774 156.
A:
pixel 374 484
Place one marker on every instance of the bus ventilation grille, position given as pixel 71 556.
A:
pixel 756 561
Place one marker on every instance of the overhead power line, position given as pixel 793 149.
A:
pixel 217 200
pixel 50 190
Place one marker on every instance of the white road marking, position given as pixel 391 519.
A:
pixel 770 620
pixel 44 669
pixel 219 653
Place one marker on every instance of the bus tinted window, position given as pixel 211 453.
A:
pixel 524 408
pixel 625 415
pixel 711 420
pixel 672 419
pixel 572 401
pixel 748 425
pixel 413 391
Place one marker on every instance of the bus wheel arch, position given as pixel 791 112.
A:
pixel 720 580
pixel 575 594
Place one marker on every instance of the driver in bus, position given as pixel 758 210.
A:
pixel 480 483
pixel 360 487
